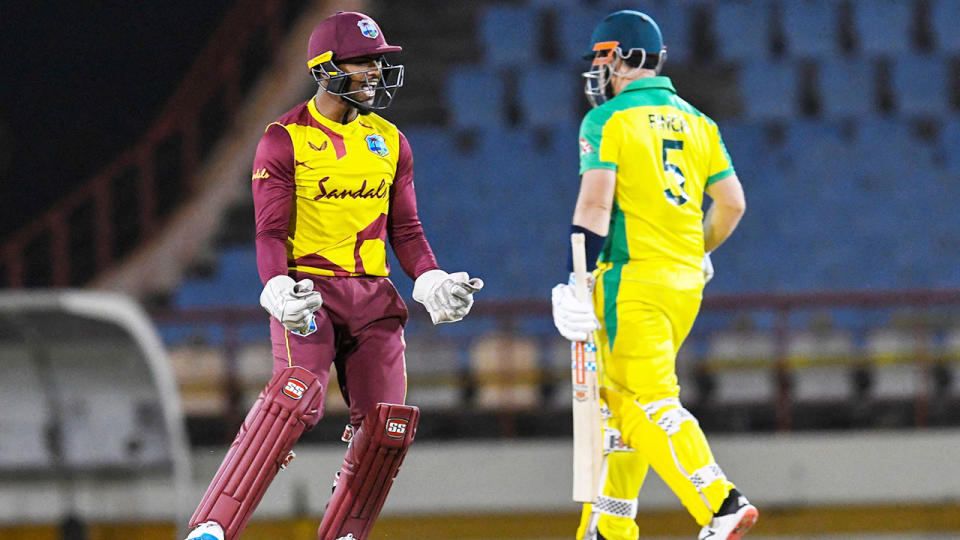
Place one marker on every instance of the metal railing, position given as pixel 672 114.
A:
pixel 931 311
pixel 124 204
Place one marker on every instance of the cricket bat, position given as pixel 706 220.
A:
pixel 587 421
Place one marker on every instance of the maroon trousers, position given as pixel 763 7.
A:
pixel 360 331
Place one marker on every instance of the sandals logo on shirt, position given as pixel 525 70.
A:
pixel 377 145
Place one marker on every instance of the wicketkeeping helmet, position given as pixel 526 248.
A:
pixel 632 36
pixel 348 35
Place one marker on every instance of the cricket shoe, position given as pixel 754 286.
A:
pixel 733 524
pixel 208 530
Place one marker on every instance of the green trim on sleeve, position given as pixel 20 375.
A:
pixel 591 135
pixel 720 175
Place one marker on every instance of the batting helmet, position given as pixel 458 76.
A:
pixel 632 36
pixel 350 35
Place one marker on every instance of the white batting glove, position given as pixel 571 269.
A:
pixel 447 297
pixel 292 303
pixel 707 268
pixel 574 319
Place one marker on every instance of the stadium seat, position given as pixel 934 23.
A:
pixel 950 355
pixel 810 28
pixel 893 353
pixel 742 361
pixel 921 86
pixel 476 97
pixel 509 35
pixel 821 365
pixel 769 90
pixel 574 27
pixel 944 15
pixel 949 142
pixel 882 27
pixel 742 30
pixel 846 86
pixel 433 368
pixel 673 18
pixel 200 371
pixel 550 95
pixel 507 371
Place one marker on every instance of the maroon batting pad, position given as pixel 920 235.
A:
pixel 372 461
pixel 291 403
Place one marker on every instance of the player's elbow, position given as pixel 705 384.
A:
pixel 733 206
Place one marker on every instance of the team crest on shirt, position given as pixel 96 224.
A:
pixel 368 29
pixel 376 144
pixel 585 147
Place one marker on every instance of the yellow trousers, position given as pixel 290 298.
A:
pixel 643 325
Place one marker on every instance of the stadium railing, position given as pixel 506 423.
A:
pixel 125 203
pixel 759 362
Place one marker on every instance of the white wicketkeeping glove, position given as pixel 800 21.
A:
pixel 574 319
pixel 292 303
pixel 707 268
pixel 447 297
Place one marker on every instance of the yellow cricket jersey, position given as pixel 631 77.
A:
pixel 665 152
pixel 335 195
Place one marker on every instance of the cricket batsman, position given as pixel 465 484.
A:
pixel 646 159
pixel 332 186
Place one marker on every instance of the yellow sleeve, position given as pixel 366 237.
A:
pixel 721 166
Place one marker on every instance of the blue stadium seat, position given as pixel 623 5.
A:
pixel 882 27
pixel 944 15
pixel 674 19
pixel 550 95
pixel 920 85
pixel 810 28
pixel 509 35
pixel 769 90
pixel 743 140
pixel 846 86
pixel 742 29
pixel 476 97
pixel 574 27
pixel 950 142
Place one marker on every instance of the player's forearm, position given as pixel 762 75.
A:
pixel 271 254
pixel 593 217
pixel 719 224
pixel 413 251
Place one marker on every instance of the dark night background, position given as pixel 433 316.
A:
pixel 81 82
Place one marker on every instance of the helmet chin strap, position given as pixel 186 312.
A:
pixel 351 103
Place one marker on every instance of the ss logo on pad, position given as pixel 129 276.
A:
pixel 396 428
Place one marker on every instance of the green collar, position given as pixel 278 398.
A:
pixel 647 83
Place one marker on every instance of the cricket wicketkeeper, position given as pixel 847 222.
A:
pixel 332 186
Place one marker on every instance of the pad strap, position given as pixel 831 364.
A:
pixel 611 506
pixel 372 461
pixel 706 475
pixel 671 420
pixel 291 403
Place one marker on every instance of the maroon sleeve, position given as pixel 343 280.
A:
pixel 273 189
pixel 403 226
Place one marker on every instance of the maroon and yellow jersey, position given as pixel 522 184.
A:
pixel 330 196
